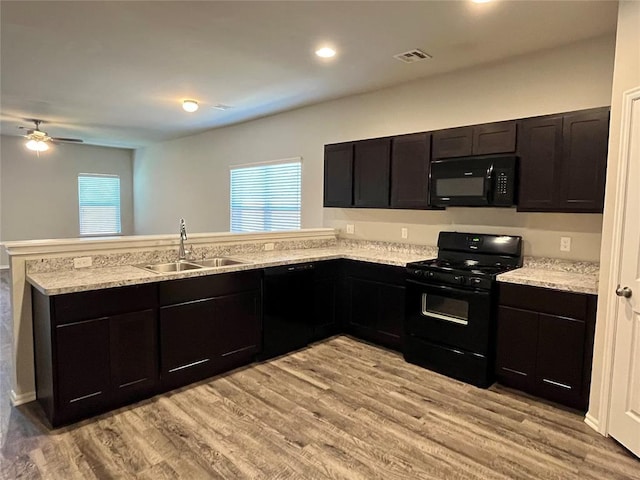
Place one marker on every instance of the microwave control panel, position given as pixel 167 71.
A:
pixel 503 188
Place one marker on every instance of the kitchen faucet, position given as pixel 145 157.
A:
pixel 182 254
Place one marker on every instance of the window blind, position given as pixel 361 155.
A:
pixel 265 197
pixel 99 201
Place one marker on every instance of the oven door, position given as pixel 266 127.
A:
pixel 451 316
pixel 460 182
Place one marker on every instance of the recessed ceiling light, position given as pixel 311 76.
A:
pixel 190 106
pixel 480 1
pixel 325 52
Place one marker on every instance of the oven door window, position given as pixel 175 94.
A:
pixel 445 308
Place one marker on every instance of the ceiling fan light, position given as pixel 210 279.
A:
pixel 37 145
pixel 190 106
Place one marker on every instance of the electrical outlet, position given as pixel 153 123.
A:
pixel 351 228
pixel 565 244
pixel 269 247
pixel 404 232
pixel 82 262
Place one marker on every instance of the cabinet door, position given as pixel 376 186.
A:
pixel 134 354
pixel 187 335
pixel 585 141
pixel 325 305
pixel 82 363
pixel 338 175
pixel 410 158
pixel 391 304
pixel 498 137
pixel 363 305
pixel 559 362
pixel 376 311
pixel 516 347
pixel 453 142
pixel 237 329
pixel 540 151
pixel 372 160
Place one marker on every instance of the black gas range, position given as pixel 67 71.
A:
pixel 451 304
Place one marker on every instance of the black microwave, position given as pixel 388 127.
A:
pixel 473 182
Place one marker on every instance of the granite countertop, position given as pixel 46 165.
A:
pixel 79 280
pixel 579 277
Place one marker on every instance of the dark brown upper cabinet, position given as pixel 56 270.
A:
pixel 563 162
pixel 483 139
pixel 540 151
pixel 410 159
pixel 585 141
pixel 338 175
pixel 371 173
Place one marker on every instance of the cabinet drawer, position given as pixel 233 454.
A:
pixel 544 300
pixel 74 307
pixel 188 289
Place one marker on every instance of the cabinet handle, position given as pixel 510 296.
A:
pixel 517 372
pixel 557 384
pixel 625 292
pixel 86 396
pixel 189 365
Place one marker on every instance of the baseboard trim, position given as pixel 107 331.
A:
pixel 22 398
pixel 593 423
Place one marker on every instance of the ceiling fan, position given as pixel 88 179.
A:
pixel 38 141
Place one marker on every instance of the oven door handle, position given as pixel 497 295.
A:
pixel 447 288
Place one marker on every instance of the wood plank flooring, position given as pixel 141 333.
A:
pixel 338 409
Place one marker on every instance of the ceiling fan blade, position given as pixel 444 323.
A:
pixel 67 140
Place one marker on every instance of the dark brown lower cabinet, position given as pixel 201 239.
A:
pixel 91 356
pixel 208 325
pixel 327 285
pixel 133 343
pixel 82 369
pixel 375 302
pixel 545 342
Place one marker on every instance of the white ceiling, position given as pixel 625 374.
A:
pixel 115 73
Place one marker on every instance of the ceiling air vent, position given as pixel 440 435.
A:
pixel 221 106
pixel 412 56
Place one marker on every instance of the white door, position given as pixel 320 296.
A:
pixel 624 413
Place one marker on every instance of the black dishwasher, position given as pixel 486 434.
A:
pixel 288 317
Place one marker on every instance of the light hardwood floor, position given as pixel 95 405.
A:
pixel 338 409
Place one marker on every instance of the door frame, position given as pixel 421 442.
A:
pixel 601 422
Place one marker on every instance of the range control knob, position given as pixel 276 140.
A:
pixel 460 279
pixel 417 272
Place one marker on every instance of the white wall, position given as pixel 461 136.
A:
pixel 189 177
pixel 39 195
pixel 626 76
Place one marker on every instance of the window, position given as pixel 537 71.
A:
pixel 99 201
pixel 266 197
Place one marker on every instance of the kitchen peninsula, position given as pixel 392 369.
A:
pixel 52 274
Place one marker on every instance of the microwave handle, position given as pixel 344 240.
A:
pixel 488 180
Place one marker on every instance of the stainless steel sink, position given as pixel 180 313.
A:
pixel 170 267
pixel 218 262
